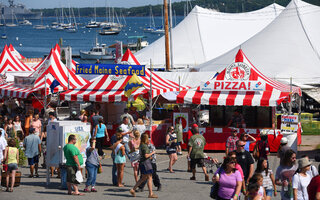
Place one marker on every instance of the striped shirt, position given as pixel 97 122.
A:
pixel 267 183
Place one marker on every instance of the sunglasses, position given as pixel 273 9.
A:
pixel 241 145
pixel 232 162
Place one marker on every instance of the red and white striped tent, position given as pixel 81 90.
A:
pixel 109 88
pixel 57 50
pixel 15 53
pixel 9 62
pixel 51 69
pixel 274 93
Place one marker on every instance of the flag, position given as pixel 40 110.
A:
pixel 133 84
pixel 54 84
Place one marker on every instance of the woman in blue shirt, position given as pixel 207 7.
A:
pixel 99 133
pixel 244 137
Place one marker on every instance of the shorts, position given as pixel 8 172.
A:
pixel 144 171
pixel 34 160
pixel 71 174
pixel 179 143
pixel 12 166
pixel 269 192
pixel 194 162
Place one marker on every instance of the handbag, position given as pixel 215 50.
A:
pixel 5 167
pixel 215 188
pixel 134 156
pixel 100 170
pixel 147 165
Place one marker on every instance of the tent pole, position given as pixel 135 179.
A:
pixel 290 104
pixel 150 96
pixel 170 32
pixel 45 97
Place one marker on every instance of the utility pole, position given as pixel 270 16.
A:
pixel 166 33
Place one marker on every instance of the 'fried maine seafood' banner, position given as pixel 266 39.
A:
pixel 110 69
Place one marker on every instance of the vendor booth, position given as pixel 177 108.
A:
pixel 108 91
pixel 240 96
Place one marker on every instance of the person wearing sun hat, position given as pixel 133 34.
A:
pixel 301 180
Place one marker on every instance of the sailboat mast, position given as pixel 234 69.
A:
pixel 166 33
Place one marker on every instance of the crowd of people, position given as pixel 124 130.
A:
pixel 237 176
pixel 298 180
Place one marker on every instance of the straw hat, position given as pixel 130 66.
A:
pixel 303 162
pixel 283 140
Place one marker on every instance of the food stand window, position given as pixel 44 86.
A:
pixel 254 117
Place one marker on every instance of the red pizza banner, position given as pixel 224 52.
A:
pixel 233 86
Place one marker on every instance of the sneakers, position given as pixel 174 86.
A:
pixel 193 178
pixel 179 153
pixel 153 196
pixel 93 190
pixel 86 190
pixel 207 178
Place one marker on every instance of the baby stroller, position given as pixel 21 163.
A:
pixel 211 163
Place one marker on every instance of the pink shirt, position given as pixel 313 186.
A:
pixel 36 125
pixel 238 167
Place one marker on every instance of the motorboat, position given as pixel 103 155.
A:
pixel 3 36
pixel 25 23
pixel 97 52
pixel 109 31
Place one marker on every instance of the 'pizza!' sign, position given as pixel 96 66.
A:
pixel 233 86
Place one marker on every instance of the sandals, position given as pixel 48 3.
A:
pixel 78 194
pixel 9 190
pixel 93 190
pixel 133 193
pixel 153 196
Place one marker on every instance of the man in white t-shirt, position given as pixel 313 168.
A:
pixel 126 133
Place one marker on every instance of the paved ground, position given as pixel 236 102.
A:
pixel 175 186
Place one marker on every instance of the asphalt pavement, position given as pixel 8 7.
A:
pixel 174 185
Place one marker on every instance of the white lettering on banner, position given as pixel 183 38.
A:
pixel 233 86
pixel 238 71
pixel 289 119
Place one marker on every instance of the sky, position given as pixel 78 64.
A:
pixel 86 3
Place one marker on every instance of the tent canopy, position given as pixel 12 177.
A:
pixel 206 34
pixel 288 47
pixel 109 88
pixel 15 53
pixel 274 92
pixel 50 69
pixel 9 62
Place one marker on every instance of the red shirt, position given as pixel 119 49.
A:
pixel 314 187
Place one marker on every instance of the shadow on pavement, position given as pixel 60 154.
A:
pixel 60 193
pixel 117 190
pixel 120 195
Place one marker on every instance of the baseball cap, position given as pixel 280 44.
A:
pixel 194 125
pixel 284 140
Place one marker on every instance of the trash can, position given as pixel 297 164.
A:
pixel 292 140
pixel 63 175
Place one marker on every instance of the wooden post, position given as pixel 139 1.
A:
pixel 166 33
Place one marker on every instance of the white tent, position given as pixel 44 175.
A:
pixel 288 47
pixel 206 34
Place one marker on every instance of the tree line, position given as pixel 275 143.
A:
pixel 179 8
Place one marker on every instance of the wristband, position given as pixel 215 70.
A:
pixel 236 195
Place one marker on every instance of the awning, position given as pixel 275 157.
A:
pixel 109 88
pixel 273 94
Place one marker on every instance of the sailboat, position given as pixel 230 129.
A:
pixel 152 25
pixel 93 23
pixel 12 24
pixel 72 28
pixel 4 22
pixel 40 26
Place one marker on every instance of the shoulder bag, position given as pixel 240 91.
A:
pixel 215 188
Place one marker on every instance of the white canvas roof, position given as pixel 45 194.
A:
pixel 206 34
pixel 288 47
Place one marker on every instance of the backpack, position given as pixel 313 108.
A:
pixel 256 153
